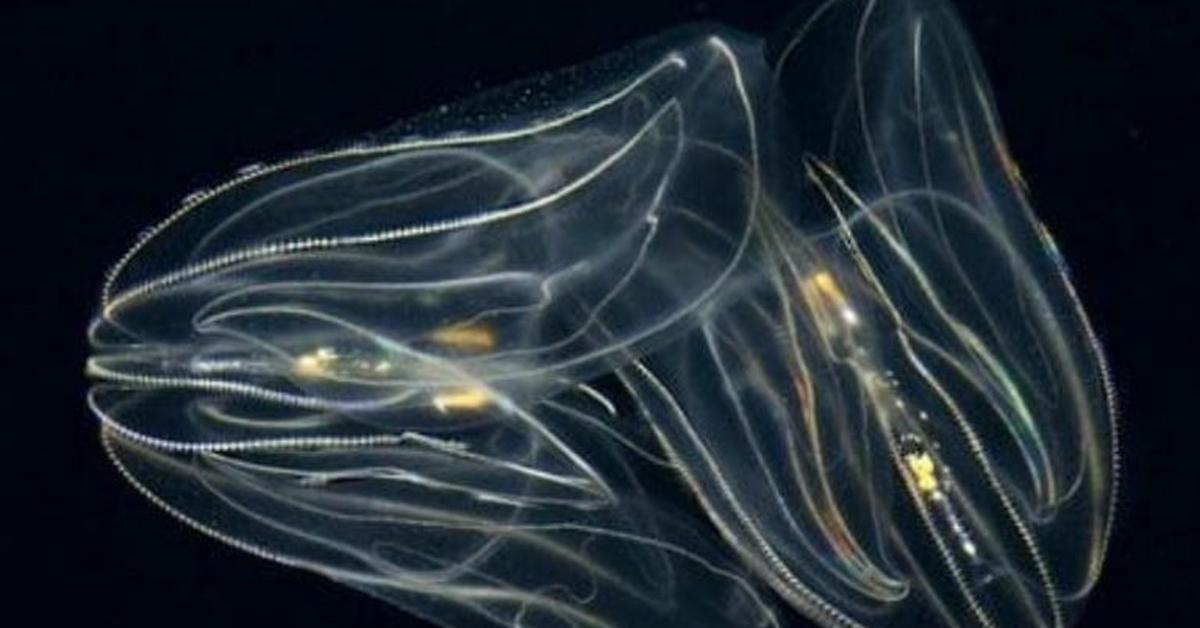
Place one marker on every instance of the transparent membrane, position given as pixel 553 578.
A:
pixel 718 331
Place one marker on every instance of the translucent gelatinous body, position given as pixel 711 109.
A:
pixel 739 328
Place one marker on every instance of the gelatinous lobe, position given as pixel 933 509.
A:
pixel 739 330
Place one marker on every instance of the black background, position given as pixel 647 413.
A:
pixel 112 112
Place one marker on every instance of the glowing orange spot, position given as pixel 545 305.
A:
pixel 477 338
pixel 828 288
pixel 829 302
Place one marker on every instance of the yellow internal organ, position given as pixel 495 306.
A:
pixel 325 362
pixel 462 400
pixel 923 471
pixel 473 338
pixel 315 364
pixel 829 302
